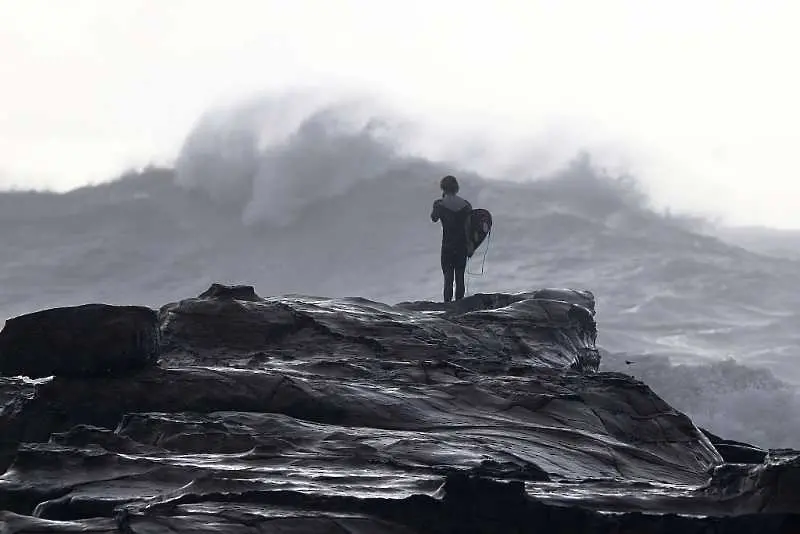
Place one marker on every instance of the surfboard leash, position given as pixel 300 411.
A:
pixel 483 263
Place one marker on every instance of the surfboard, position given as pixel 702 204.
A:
pixel 480 224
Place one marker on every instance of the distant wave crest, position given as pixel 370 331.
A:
pixel 276 155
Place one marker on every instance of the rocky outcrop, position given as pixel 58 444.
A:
pixel 309 414
pixel 80 341
pixel 771 486
pixel 736 452
pixel 484 333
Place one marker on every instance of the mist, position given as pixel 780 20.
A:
pixel 695 101
pixel 276 155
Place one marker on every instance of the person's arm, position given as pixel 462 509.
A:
pixel 435 211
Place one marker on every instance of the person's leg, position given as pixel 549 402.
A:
pixel 459 268
pixel 449 275
pixel 459 276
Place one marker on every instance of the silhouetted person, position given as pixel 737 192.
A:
pixel 454 213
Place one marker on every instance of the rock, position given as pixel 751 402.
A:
pixel 310 414
pixel 250 520
pixel 187 434
pixel 486 331
pixel 483 301
pixel 11 523
pixel 82 436
pixel 215 320
pixel 459 489
pixel 15 393
pixel 770 487
pixel 82 341
pixel 736 452
pixel 221 292
pixel 569 426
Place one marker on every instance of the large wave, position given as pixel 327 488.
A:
pixel 273 156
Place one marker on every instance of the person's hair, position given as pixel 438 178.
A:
pixel 449 185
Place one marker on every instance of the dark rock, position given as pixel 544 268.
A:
pixel 581 297
pixel 303 414
pixel 226 324
pixel 15 393
pixel 11 523
pixel 485 333
pixel 736 452
pixel 57 482
pixel 566 424
pixel 236 521
pixel 740 454
pixel 771 486
pixel 182 433
pixel 460 489
pixel 221 292
pixel 81 436
pixel 280 513
pixel 82 341
pixel 483 301
pixel 511 470
pixel 462 504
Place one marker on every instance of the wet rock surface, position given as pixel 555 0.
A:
pixel 736 452
pixel 80 341
pixel 771 486
pixel 305 414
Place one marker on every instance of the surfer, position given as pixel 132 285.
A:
pixel 454 212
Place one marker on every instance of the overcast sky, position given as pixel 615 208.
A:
pixel 699 97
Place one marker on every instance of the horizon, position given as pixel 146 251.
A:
pixel 694 100
pixel 695 221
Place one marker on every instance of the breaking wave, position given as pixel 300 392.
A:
pixel 276 155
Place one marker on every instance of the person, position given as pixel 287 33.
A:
pixel 453 211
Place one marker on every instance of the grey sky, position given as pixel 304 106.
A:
pixel 698 97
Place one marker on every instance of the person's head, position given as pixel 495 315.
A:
pixel 449 185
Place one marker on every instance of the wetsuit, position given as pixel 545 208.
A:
pixel 454 213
